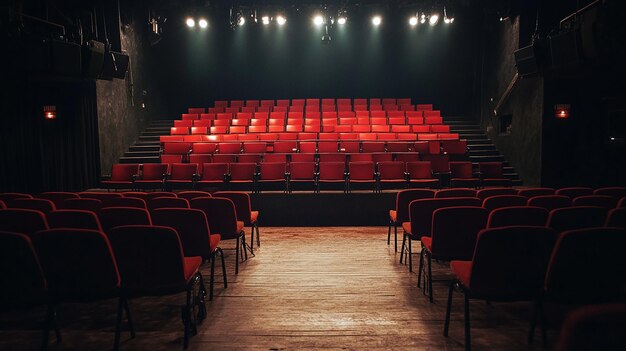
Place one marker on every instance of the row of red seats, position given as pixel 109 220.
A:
pixel 317 101
pixel 57 200
pixel 45 261
pixel 257 176
pixel 312 108
pixel 544 197
pixel 524 235
pixel 364 116
pixel 433 122
pixel 295 135
pixel 384 132
pixel 451 147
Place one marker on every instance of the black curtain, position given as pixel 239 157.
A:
pixel 49 155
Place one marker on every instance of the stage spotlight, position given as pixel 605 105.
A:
pixel 447 19
pixel 318 20
pixel 190 22
pixel 341 20
pixel 241 21
pixel 281 20
pixel 423 18
pixel 265 20
pixel 433 19
pixel 413 21
pixel 203 23
pixel 376 20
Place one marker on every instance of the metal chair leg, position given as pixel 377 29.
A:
pixel 446 324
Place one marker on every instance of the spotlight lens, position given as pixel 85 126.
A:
pixel 242 21
pixel 190 22
pixel 318 20
pixel 433 19
pixel 265 20
pixel 413 21
pixel 376 20
pixel 203 23
pixel 281 20
pixel 341 20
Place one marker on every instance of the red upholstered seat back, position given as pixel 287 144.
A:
pixel 192 228
pixel 509 263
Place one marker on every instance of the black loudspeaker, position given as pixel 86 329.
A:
pixel 526 61
pixel 35 55
pixel 93 56
pixel 121 65
pixel 564 49
pixel 66 58
pixel 115 65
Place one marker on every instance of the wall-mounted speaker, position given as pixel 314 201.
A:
pixel 121 64
pixel 93 56
pixel 115 65
pixel 564 49
pixel 66 58
pixel 526 61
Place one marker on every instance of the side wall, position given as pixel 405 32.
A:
pixel 521 143
pixel 123 109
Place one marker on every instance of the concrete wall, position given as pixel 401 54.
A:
pixel 123 107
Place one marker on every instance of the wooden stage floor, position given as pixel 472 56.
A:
pixel 330 288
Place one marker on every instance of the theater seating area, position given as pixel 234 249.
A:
pixel 502 244
pixel 508 245
pixel 279 145
pixel 139 244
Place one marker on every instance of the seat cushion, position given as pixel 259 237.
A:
pixel 406 226
pixel 254 215
pixel 240 226
pixel 462 270
pixel 393 216
pixel 214 240
pixel 191 266
pixel 427 242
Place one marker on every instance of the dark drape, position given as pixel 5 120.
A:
pixel 47 155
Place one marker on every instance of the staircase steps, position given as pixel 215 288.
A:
pixel 481 148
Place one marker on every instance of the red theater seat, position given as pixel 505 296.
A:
pixel 152 176
pixel 598 278
pixel 453 237
pixel 272 174
pixel 500 255
pixel 243 209
pixel 111 217
pixel 420 224
pixel 391 174
pixel 331 173
pixel 361 173
pixel 462 175
pixel 59 196
pixel 498 201
pixel 530 192
pixel 64 268
pixel 517 215
pixel 213 175
pixel 616 218
pixel 301 173
pixel 25 221
pixel 576 217
pixel 42 205
pixel 485 193
pixel 455 192
pixel 604 201
pixel 222 218
pixel 420 174
pixel 181 175
pixel 400 214
pixel 550 202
